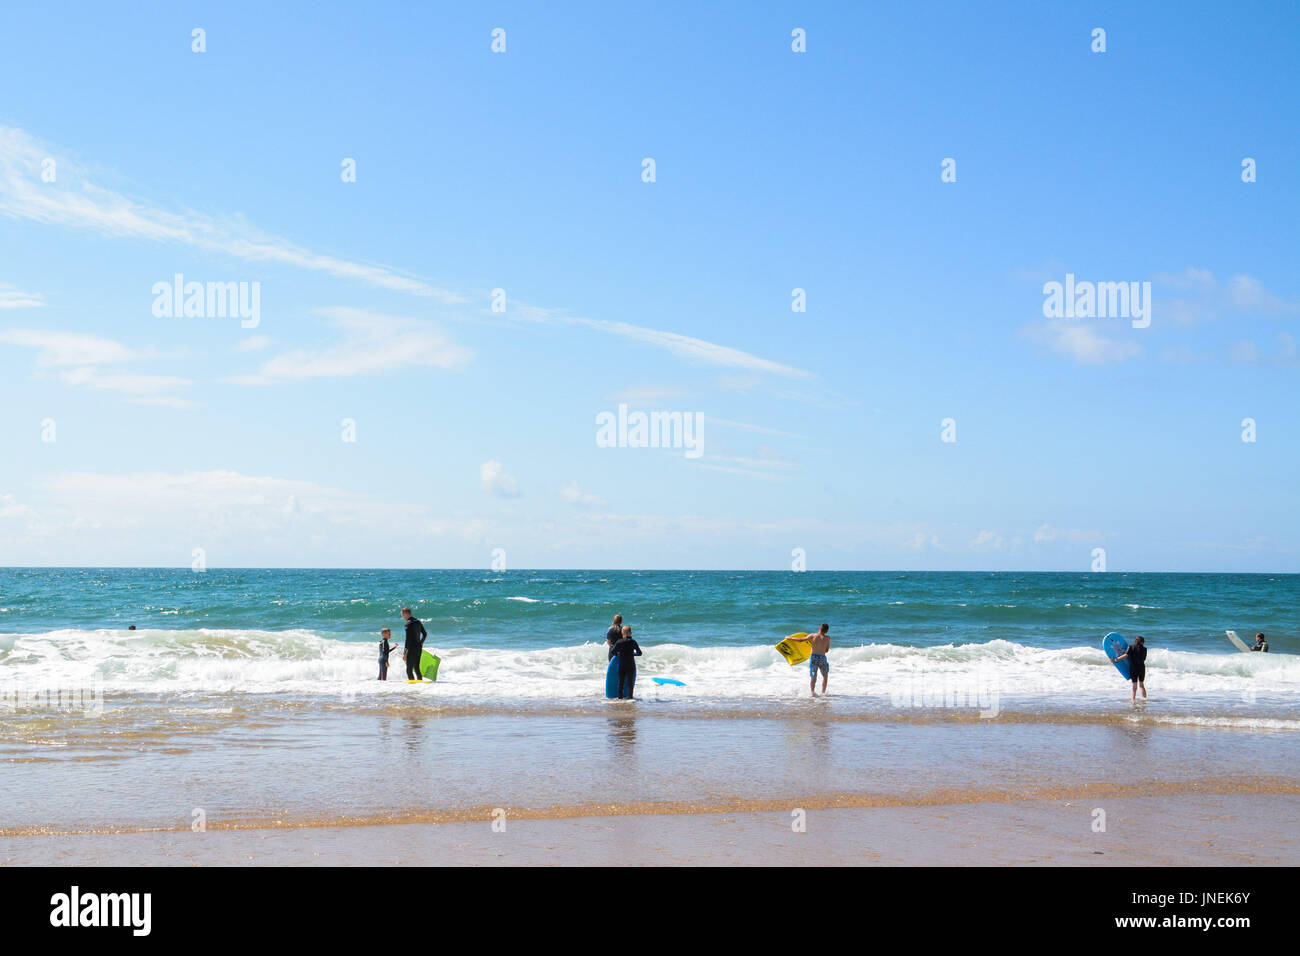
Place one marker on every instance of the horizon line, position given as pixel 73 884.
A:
pixel 254 567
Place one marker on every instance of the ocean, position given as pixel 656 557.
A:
pixel 250 696
pixel 536 636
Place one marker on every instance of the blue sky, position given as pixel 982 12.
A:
pixel 774 170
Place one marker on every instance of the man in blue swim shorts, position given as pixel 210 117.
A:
pixel 821 644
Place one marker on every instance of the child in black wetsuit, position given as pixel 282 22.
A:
pixel 628 651
pixel 1137 666
pixel 385 649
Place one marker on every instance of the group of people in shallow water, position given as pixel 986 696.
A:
pixel 414 647
pixel 1136 655
pixel 621 644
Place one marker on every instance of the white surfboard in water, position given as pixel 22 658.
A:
pixel 1241 645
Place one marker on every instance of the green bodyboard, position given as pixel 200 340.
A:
pixel 429 665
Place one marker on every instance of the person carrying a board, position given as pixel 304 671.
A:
pixel 385 648
pixel 1137 665
pixel 1260 644
pixel 821 645
pixel 628 651
pixel 614 635
pixel 415 635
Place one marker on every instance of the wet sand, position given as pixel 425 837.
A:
pixel 1184 830
pixel 275 780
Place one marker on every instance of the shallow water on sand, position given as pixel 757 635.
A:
pixel 274 763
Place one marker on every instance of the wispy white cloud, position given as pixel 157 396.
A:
pixel 129 383
pixel 163 401
pixel 75 201
pixel 752 428
pixel 648 394
pixel 987 541
pixel 1084 342
pixel 1285 354
pixel 369 343
pixel 78 359
pixel 495 480
pixel 572 493
pixel 689 348
pixel 11 510
pixel 692 349
pixel 254 343
pixel 214 499
pixel 55 349
pixel 1196 296
pixel 12 298
pixel 1046 533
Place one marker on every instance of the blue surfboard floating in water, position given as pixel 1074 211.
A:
pixel 667 680
pixel 1114 645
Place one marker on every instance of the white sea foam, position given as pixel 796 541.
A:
pixel 1234 686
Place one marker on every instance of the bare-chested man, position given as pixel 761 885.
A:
pixel 821 643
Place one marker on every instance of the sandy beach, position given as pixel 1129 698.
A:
pixel 272 781
pixel 1208 829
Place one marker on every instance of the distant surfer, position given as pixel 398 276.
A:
pixel 614 635
pixel 1137 665
pixel 415 635
pixel 821 645
pixel 385 648
pixel 1260 644
pixel 628 651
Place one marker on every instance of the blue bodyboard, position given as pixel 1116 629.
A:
pixel 611 678
pixel 1114 645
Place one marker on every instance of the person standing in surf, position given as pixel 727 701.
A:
pixel 614 635
pixel 385 648
pixel 628 651
pixel 415 635
pixel 1137 666
pixel 821 645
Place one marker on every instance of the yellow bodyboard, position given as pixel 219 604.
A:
pixel 795 651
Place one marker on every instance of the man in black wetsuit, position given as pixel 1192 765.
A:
pixel 1137 665
pixel 614 635
pixel 415 635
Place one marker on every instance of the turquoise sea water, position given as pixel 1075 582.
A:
pixel 995 642
pixel 536 609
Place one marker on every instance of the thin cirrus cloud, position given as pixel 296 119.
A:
pixel 686 347
pixel 217 498
pixel 73 200
pixel 368 343
pixel 81 360
pixel 1196 296
pixel 11 298
pixel 1084 342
